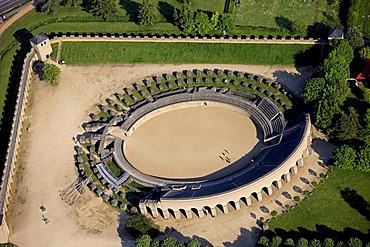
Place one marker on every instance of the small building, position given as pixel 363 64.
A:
pixel 365 73
pixel 336 34
pixel 42 46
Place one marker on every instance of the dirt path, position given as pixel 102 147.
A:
pixel 53 118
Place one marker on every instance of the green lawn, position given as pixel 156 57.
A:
pixel 327 206
pixel 257 13
pixel 128 52
pixel 114 168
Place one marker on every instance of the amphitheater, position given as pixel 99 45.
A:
pixel 155 134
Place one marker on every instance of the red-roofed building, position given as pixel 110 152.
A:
pixel 365 72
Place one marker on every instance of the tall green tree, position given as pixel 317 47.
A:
pixel 170 242
pixel 143 241
pixel 264 241
pixel 364 133
pixel 345 157
pixel 51 73
pixel 226 23
pixel 138 224
pixel 202 23
pixel 363 159
pixel 348 125
pixel 72 3
pixel 147 12
pixel 328 242
pixel 50 6
pixel 194 243
pixel 354 37
pixel 276 241
pixel 354 242
pixel 325 113
pixel 302 242
pixel 184 18
pixel 105 8
pixel 313 89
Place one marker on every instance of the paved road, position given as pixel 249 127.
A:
pixel 6 5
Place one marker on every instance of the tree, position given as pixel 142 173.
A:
pixel 50 7
pixel 170 242
pixel 138 224
pixel 348 125
pixel 302 242
pixel 264 241
pixel 215 20
pixel 51 73
pixel 341 47
pixel 354 37
pixel 274 213
pixel 365 52
pixel 315 243
pixel 354 242
pixel 325 113
pixel 289 242
pixel 184 18
pixel 226 23
pixel 363 159
pixel 73 3
pixel 143 241
pixel 194 243
pixel 328 242
pixel 340 244
pixel 155 243
pixel 313 89
pixel 104 8
pixel 147 12
pixel 202 23
pixel 276 241
pixel 364 132
pixel 344 157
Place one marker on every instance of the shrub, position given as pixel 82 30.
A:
pixel 302 242
pixel 138 224
pixel 314 183
pixel 263 241
pixel 306 193
pixel 276 241
pixel 328 242
pixel 143 241
pixel 354 242
pixel 365 52
pixel 289 242
pixel 274 213
pixel 51 73
pixel 194 243
pixel 287 206
pixel 315 243
pixel 297 199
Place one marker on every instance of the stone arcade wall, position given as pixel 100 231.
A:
pixel 191 206
pixel 13 145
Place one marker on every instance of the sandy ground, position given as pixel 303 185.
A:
pixel 54 116
pixel 193 142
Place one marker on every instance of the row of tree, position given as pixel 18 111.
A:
pixel 277 241
pixel 147 241
pixel 200 22
pixel 349 158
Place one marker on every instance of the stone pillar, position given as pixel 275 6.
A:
pixel 269 190
pixel 259 196
pixel 300 162
pixel 225 209
pixel 295 169
pixel 237 205
pixel 213 212
pixel 287 177
pixel 249 201
pixel 165 214
pixel 143 209
pixel 305 152
pixel 279 184
pixel 189 214
pixel 177 214
pixel 200 213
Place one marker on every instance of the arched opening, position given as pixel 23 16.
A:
pixel 231 205
pixel 207 211
pixel 160 212
pixel 149 210
pixel 275 186
pixel 265 192
pixel 171 213
pixel 243 202
pixel 195 212
pixel 182 213
pixel 254 197
pixel 219 208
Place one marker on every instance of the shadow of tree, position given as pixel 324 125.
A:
pixel 311 56
pixel 356 201
pixel 132 9
pixel 321 232
pixel 283 22
pixel 167 10
pixel 245 239
pixel 318 30
pixel 172 232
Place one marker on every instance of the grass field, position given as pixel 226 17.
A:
pixel 328 207
pixel 263 13
pixel 128 52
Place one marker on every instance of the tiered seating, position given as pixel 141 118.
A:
pixel 268 108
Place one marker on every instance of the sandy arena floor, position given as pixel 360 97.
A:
pixel 54 116
pixel 192 142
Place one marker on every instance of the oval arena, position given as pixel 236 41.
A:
pixel 204 149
